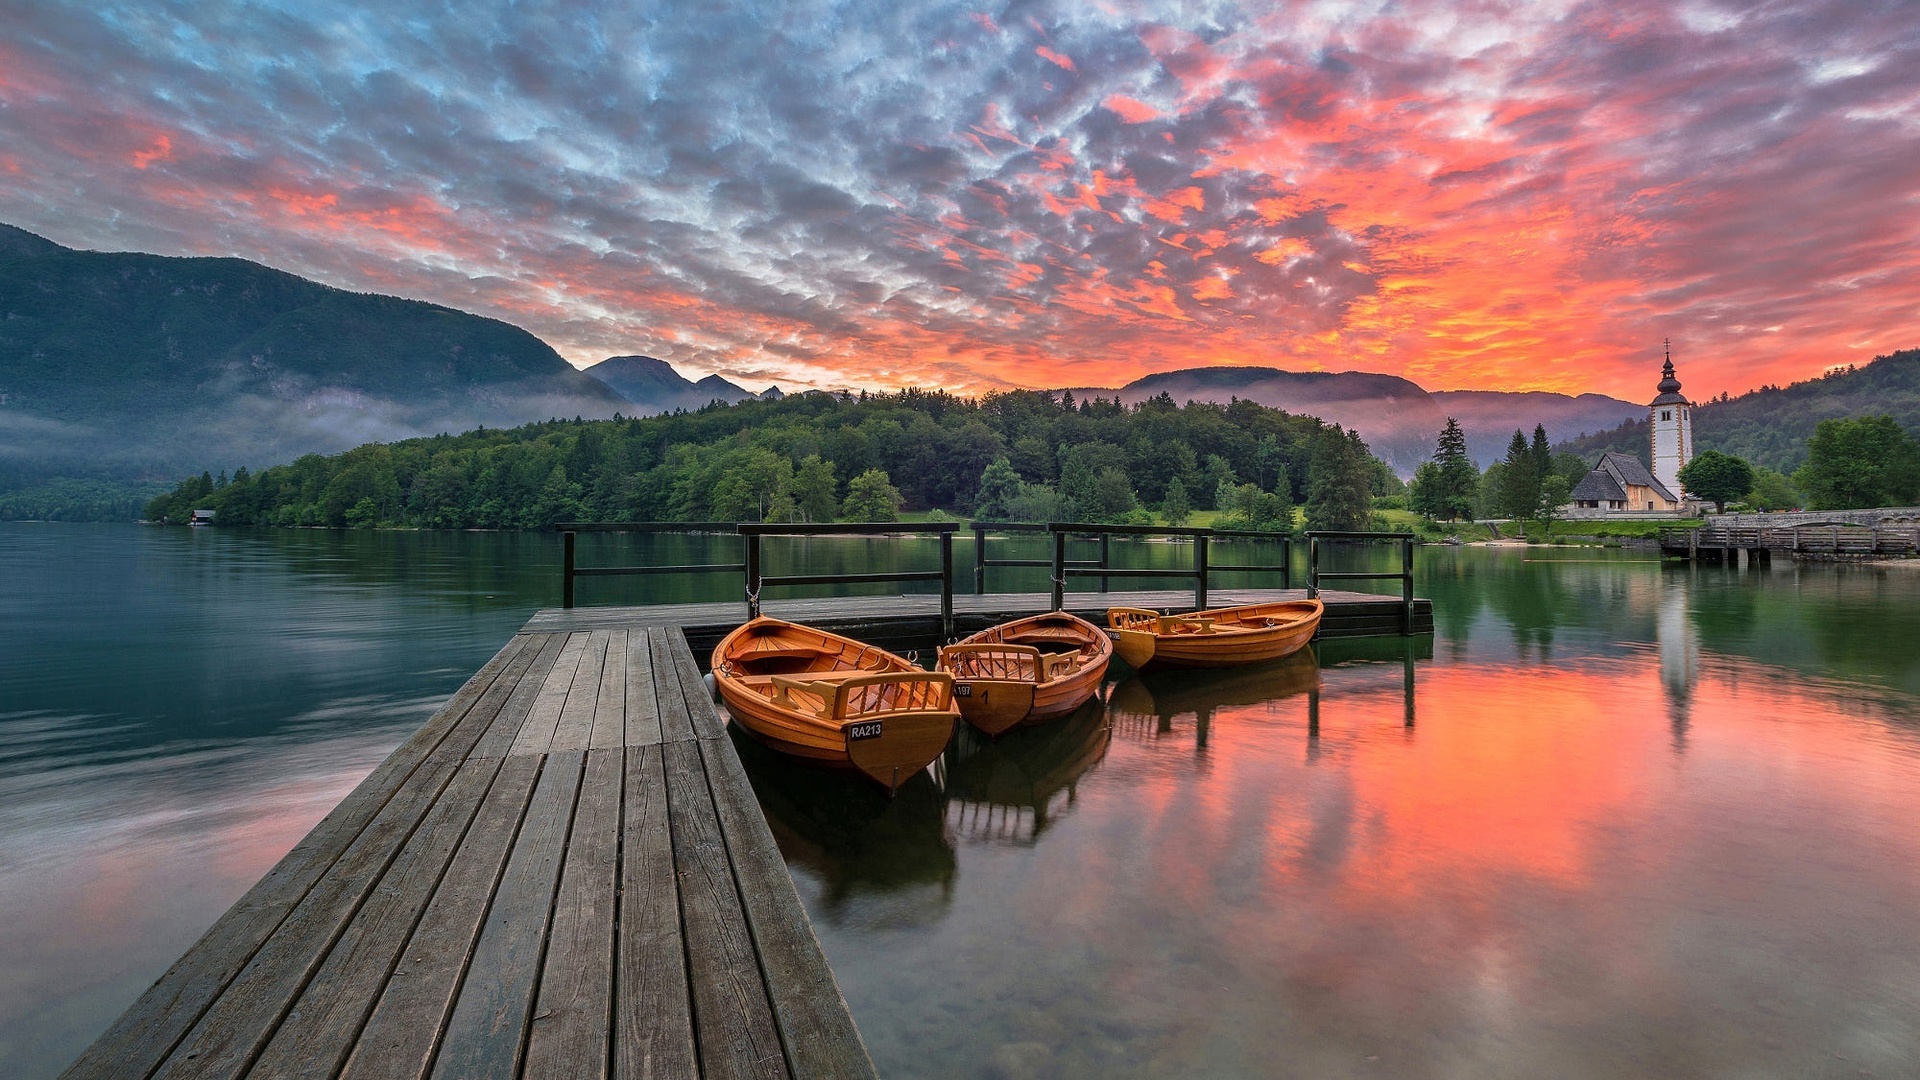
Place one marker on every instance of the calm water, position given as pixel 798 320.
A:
pixel 1614 820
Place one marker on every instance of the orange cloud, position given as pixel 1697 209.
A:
pixel 1053 57
pixel 1129 109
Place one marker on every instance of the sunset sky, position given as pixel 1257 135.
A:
pixel 1480 195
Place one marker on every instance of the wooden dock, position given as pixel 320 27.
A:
pixel 564 873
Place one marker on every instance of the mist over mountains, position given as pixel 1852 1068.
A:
pixel 131 366
pixel 1399 419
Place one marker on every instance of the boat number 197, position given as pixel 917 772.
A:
pixel 867 730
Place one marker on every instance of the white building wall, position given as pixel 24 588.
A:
pixel 1672 442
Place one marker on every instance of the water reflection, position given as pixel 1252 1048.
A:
pixel 1011 790
pixel 855 840
pixel 1148 706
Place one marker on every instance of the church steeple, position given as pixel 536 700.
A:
pixel 1670 418
pixel 1669 384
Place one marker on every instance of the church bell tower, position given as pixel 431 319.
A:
pixel 1670 417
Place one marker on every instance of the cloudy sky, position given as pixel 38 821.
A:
pixel 1474 194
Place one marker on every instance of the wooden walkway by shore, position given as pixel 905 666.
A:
pixel 564 873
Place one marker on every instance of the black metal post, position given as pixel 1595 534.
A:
pixel 753 575
pixel 979 561
pixel 1106 554
pixel 1406 588
pixel 1200 571
pixel 1313 567
pixel 1286 562
pixel 566 570
pixel 1059 570
pixel 946 586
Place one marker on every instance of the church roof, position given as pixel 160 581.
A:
pixel 1626 470
pixel 1599 486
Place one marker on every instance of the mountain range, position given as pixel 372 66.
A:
pixel 1399 419
pixel 127 366
pixel 652 386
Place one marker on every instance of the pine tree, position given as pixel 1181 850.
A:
pixel 1519 492
pixel 1339 482
pixel 1448 489
pixel 1176 507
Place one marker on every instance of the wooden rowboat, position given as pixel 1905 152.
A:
pixel 1220 637
pixel 1027 671
pixel 824 698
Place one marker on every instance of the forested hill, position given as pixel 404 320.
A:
pixel 1770 426
pixel 819 456
pixel 124 366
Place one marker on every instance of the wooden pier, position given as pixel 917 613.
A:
pixel 564 873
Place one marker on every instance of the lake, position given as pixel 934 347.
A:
pixel 1613 820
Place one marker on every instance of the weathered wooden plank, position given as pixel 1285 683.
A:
pixel 570 1034
pixel 401 1035
pixel 610 705
pixel 816 1027
pixel 147 1032
pixel 487 1031
pixel 575 729
pixel 536 734
pixel 733 1020
pixel 643 713
pixel 707 723
pixel 653 1023
pixel 522 694
pixel 676 722
pixel 238 1023
pixel 317 1034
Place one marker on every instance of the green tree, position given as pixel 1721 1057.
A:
pixel 1110 499
pixel 1720 477
pixel 1000 485
pixel 1519 491
pixel 1245 506
pixel 1554 493
pixel 1215 475
pixel 1445 486
pixel 1176 507
pixel 871 496
pixel 1772 491
pixel 1339 482
pixel 813 489
pixel 1861 462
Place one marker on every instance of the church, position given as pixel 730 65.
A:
pixel 1620 484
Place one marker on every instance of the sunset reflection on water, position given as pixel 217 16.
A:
pixel 1636 858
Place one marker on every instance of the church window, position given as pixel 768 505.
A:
pixel 1666 414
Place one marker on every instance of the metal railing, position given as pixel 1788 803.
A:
pixel 981 562
pixel 1102 567
pixel 570 569
pixel 756 580
pixel 1315 575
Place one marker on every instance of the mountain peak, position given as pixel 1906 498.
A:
pixel 21 244
pixel 655 387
